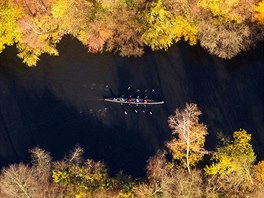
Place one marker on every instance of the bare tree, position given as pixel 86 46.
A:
pixel 41 161
pixel 18 181
pixel 187 146
pixel 165 180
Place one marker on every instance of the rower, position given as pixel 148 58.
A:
pixel 129 99
pixel 145 100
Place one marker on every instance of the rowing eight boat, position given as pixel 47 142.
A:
pixel 134 101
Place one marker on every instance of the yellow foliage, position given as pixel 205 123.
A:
pixel 30 55
pixel 60 176
pixel 73 15
pixel 9 33
pixel 188 145
pixel 236 157
pixel 82 179
pixel 223 9
pixel 59 8
pixel 187 30
pixel 259 16
pixel 158 33
pixel 162 28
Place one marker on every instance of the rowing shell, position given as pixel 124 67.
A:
pixel 134 101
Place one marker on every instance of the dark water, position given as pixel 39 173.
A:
pixel 58 104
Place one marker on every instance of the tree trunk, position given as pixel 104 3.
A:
pixel 187 156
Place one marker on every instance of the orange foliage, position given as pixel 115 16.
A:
pixel 259 9
pixel 33 7
pixel 259 170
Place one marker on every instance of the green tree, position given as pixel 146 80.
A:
pixel 187 145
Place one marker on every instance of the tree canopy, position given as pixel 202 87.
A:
pixel 224 28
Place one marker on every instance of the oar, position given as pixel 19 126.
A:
pixel 126 92
pixel 150 93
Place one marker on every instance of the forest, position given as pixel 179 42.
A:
pixel 224 28
pixel 183 168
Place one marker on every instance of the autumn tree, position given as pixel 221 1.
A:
pixel 89 21
pixel 38 36
pixel 230 10
pixel 33 7
pixel 19 181
pixel 226 28
pixel 9 31
pixel 259 171
pixel 41 163
pixel 259 12
pixel 28 181
pixel 38 30
pixel 231 171
pixel 160 28
pixel 166 180
pixel 185 14
pixel 224 40
pixel 189 136
pixel 77 177
pixel 126 39
pixel 258 176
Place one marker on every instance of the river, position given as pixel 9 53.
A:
pixel 58 104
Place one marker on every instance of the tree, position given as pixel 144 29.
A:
pixel 229 10
pixel 259 171
pixel 89 21
pixel 19 181
pixel 38 36
pixel 9 32
pixel 41 163
pixel 259 15
pixel 231 170
pixel 126 39
pixel 185 14
pixel 165 180
pixel 187 146
pixel 77 178
pixel 38 32
pixel 29 181
pixel 33 7
pixel 160 28
pixel 226 28
pixel 157 26
pixel 224 40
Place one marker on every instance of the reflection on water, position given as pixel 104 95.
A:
pixel 60 103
